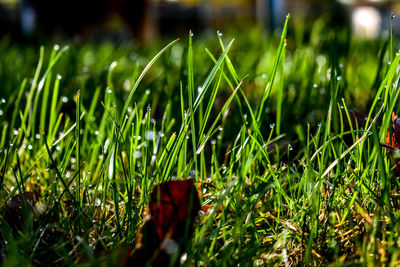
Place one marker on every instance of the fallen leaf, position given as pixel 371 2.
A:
pixel 174 206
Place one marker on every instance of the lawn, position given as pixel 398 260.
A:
pixel 281 134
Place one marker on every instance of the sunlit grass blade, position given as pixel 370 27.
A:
pixel 270 84
pixel 138 80
pixel 208 135
pixel 210 77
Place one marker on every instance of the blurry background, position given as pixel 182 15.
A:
pixel 153 19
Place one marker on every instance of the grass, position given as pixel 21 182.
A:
pixel 260 122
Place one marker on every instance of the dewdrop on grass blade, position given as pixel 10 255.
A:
pixel 149 135
pixel 113 65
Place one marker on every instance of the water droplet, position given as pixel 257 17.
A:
pixel 59 77
pixel 73 160
pixel 315 85
pixel 341 107
pixel 339 78
pixel 11 144
pixel 149 135
pixel 219 137
pixel 219 33
pixel 220 128
pixel 187 137
pixel 319 124
pixel 191 33
pixel 109 91
pixel 96 133
pixel 30 147
pixel 147 92
pixel 15 132
pixel 58 148
pixel 133 55
pixel 169 246
pixel 67 175
pixel 290 147
pixel 85 69
pixel 1 112
pixel 3 100
pixel 113 64
pixel 64 99
pixel 223 168
pixel 271 125
pixel 56 47
pixel 162 135
pixel 389 62
pixel 213 142
pixel 263 75
pixel 392 16
pixel 148 108
pixel 37 136
pixel 199 89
